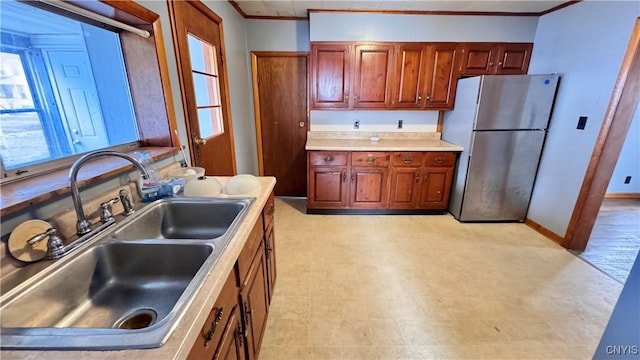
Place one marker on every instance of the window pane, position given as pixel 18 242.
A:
pixel 22 140
pixel 210 121
pixel 49 59
pixel 206 89
pixel 203 56
pixel 14 88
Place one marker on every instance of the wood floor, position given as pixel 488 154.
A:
pixel 615 240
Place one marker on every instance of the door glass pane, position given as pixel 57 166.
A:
pixel 206 86
pixel 203 56
pixel 207 90
pixel 210 122
pixel 22 139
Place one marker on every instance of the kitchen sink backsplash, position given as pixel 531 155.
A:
pixel 65 221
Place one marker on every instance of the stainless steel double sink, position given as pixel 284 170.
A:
pixel 127 288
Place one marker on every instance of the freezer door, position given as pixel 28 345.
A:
pixel 509 102
pixel 501 173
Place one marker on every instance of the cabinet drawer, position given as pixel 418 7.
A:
pixel 440 159
pixel 328 158
pixel 370 158
pixel 211 333
pixel 249 251
pixel 268 211
pixel 408 158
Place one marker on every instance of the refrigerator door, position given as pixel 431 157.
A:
pixel 500 176
pixel 509 102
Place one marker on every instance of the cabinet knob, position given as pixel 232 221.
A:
pixel 344 177
pixel 500 63
pixel 419 97
pixel 212 327
pixel 417 177
pixel 346 98
pixel 490 64
pixel 353 177
pixel 439 160
pixel 328 158
pixel 407 160
pixel 270 209
pixel 438 192
pixel 371 159
pixel 428 97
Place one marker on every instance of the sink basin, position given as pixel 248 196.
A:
pixel 129 286
pixel 183 218
pixel 113 289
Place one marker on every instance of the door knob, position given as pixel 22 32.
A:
pixel 199 141
pixel 301 124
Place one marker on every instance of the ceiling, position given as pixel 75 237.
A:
pixel 299 8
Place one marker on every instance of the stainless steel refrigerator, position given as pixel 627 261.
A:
pixel 501 121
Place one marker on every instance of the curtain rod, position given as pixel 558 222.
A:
pixel 97 17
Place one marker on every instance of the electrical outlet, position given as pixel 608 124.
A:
pixel 356 124
pixel 627 180
pixel 399 124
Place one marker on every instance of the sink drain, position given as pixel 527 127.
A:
pixel 138 319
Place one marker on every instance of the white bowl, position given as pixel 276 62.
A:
pixel 187 173
pixel 242 184
pixel 203 186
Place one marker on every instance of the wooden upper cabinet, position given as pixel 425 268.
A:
pixel 409 77
pixel 372 76
pixel 495 58
pixel 478 59
pixel 330 75
pixel 513 58
pixel 441 76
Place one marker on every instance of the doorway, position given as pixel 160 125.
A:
pixel 281 109
pixel 614 129
pixel 198 42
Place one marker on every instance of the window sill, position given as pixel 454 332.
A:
pixel 22 194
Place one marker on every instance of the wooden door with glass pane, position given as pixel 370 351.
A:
pixel 198 41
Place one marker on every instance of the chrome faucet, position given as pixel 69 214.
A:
pixel 83 225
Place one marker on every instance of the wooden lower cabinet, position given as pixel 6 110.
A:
pixel 405 188
pixel 382 180
pixel 237 321
pixel 436 187
pixel 255 303
pixel 369 187
pixel 232 344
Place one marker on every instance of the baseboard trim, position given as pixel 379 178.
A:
pixel 544 231
pixel 622 195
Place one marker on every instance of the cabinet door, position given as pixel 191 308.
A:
pixel 372 78
pixel 436 186
pixel 441 76
pixel 369 187
pixel 255 304
pixel 232 343
pixel 478 59
pixel 405 187
pixel 270 257
pixel 330 76
pixel 327 187
pixel 513 59
pixel 210 336
pixel 409 76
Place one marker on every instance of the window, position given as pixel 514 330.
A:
pixel 204 69
pixel 63 88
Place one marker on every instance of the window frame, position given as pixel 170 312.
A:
pixel 148 76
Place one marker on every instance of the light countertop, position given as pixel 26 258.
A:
pixel 179 343
pixel 359 141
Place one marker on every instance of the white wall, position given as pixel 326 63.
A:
pixel 277 35
pixel 585 44
pixel 392 27
pixel 629 161
pixel 237 61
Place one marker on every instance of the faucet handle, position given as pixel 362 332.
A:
pixel 55 247
pixel 106 214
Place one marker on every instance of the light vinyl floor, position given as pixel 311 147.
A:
pixel 423 287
